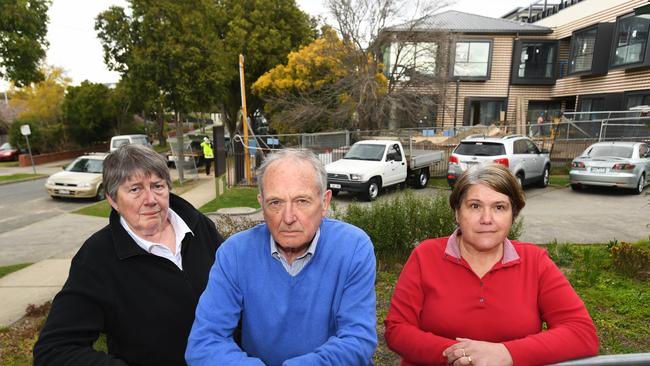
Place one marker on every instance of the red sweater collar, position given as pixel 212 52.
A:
pixel 509 252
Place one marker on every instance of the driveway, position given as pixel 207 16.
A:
pixel 595 215
pixel 587 216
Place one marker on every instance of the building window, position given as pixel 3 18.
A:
pixel 630 39
pixel 405 59
pixel 484 111
pixel 537 60
pixel 582 50
pixel 472 59
pixel 637 99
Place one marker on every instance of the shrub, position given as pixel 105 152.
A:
pixel 229 225
pixel 630 260
pixel 560 254
pixel 397 225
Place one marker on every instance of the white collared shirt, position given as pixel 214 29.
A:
pixel 299 263
pixel 180 229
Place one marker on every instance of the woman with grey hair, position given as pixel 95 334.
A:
pixel 138 279
pixel 477 298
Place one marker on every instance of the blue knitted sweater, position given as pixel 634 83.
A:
pixel 325 315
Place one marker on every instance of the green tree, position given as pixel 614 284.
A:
pixel 23 27
pixel 40 105
pixel 88 116
pixel 264 31
pixel 168 50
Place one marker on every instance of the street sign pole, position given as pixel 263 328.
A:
pixel 25 131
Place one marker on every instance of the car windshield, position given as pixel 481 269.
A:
pixel 84 165
pixel 366 152
pixel 610 150
pixel 140 140
pixel 5 146
pixel 480 148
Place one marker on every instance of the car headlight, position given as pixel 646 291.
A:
pixel 84 185
pixel 49 182
pixel 355 177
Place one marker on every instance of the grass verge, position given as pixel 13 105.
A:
pixel 10 178
pixel 234 197
pixel 8 164
pixel 559 180
pixel 438 183
pixel 5 270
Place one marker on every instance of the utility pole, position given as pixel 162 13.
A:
pixel 242 83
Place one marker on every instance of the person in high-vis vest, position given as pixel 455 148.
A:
pixel 208 154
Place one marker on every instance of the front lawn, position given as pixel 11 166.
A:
pixel 233 197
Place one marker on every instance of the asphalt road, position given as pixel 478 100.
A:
pixel 24 203
pixel 594 215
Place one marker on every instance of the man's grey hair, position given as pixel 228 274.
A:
pixel 298 155
pixel 129 160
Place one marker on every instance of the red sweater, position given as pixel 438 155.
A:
pixel 438 298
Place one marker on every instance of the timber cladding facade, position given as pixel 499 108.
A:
pixel 583 55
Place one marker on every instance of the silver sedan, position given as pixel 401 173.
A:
pixel 612 164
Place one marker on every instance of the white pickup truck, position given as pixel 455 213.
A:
pixel 371 165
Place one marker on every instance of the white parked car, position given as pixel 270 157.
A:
pixel 80 179
pixel 612 164
pixel 518 153
pixel 119 140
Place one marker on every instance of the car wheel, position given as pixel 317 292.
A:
pixel 543 182
pixel 423 178
pixel 520 180
pixel 575 187
pixel 640 185
pixel 372 190
pixel 101 194
pixel 335 192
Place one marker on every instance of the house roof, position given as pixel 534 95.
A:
pixel 460 22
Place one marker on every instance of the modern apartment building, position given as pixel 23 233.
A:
pixel 582 55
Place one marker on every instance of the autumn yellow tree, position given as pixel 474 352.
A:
pixel 39 105
pixel 314 90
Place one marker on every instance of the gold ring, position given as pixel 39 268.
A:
pixel 469 358
pixel 463 349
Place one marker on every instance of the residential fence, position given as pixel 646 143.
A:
pixel 564 139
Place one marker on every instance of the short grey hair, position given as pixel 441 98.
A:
pixel 298 155
pixel 131 159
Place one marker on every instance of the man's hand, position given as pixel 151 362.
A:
pixel 477 353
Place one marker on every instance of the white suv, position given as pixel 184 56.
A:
pixel 518 153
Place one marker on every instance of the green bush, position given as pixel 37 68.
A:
pixel 397 225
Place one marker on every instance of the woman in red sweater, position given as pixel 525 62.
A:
pixel 477 298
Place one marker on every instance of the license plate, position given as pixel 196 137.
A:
pixel 64 191
pixel 598 170
pixel 335 186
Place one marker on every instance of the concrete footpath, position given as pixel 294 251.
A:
pixel 39 282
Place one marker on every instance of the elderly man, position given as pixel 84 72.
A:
pixel 301 285
pixel 138 279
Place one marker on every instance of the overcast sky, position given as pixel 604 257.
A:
pixel 74 46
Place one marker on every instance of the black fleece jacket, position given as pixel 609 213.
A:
pixel 143 303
